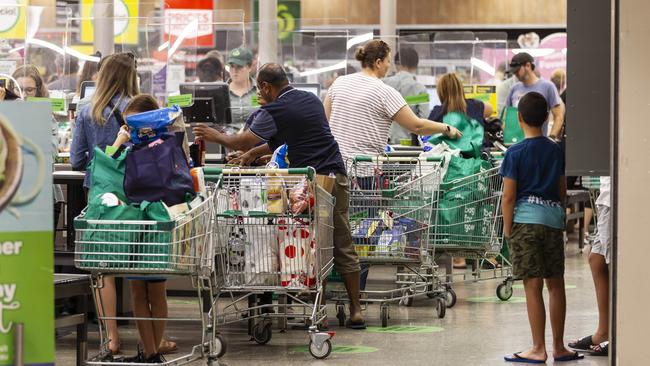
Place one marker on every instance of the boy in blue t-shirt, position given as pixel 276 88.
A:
pixel 534 192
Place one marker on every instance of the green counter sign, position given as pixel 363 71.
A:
pixel 58 104
pixel 417 99
pixel 183 100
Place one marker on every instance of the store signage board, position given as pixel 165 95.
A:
pixel 125 23
pixel 26 235
pixel 12 19
pixel 179 13
pixel 484 93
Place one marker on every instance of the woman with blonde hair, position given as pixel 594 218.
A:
pixel 452 95
pixel 98 124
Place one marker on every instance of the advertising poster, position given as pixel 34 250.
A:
pixel 26 227
pixel 125 22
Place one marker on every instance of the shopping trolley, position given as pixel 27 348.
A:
pixel 468 223
pixel 146 248
pixel 391 202
pixel 265 244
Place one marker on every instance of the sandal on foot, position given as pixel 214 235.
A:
pixel 520 359
pixel 166 347
pixel 355 324
pixel 582 344
pixel 572 357
pixel 600 349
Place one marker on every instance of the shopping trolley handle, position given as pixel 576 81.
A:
pixel 212 174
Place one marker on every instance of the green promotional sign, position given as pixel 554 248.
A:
pixel 183 100
pixel 417 99
pixel 58 104
pixel 288 17
pixel 26 261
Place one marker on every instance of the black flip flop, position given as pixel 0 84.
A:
pixel 582 344
pixel 572 357
pixel 358 325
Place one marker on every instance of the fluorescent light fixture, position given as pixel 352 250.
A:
pixel 336 66
pixel 480 64
pixel 81 56
pixel 359 39
pixel 193 26
pixel 163 46
pixel 535 52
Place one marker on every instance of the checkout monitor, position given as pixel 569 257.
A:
pixel 211 103
pixel 312 88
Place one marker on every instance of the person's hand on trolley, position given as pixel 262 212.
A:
pixel 452 132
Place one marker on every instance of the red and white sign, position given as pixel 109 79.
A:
pixel 180 13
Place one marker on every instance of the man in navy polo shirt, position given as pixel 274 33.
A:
pixel 297 118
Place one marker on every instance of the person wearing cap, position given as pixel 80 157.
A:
pixel 522 66
pixel 242 85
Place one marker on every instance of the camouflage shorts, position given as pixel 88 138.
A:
pixel 537 251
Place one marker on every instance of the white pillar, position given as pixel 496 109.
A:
pixel 103 27
pixel 388 22
pixel 268 32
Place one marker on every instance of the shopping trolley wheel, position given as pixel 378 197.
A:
pixel 504 291
pixel 262 333
pixel 441 308
pixel 384 315
pixel 321 353
pixel 407 297
pixel 340 314
pixel 450 297
pixel 218 347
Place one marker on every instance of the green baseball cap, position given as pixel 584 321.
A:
pixel 241 56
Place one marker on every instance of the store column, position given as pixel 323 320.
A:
pixel 631 197
pixel 388 22
pixel 268 33
pixel 103 27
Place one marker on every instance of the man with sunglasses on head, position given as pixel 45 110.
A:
pixel 522 66
pixel 297 118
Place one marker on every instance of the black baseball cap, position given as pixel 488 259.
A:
pixel 520 60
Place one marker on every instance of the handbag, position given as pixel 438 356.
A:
pixel 159 172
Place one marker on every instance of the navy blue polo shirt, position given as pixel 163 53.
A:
pixel 297 118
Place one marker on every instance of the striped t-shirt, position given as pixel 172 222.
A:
pixel 362 112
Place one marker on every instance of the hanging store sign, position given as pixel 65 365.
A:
pixel 179 13
pixel 12 19
pixel 125 21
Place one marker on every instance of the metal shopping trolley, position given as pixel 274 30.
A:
pixel 468 223
pixel 274 235
pixel 146 248
pixel 391 202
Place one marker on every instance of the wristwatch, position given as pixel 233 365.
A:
pixel 448 129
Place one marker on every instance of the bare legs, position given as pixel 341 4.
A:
pixel 149 301
pixel 600 274
pixel 107 307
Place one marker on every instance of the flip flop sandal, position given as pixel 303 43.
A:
pixel 573 357
pixel 358 325
pixel 167 347
pixel 600 350
pixel 582 344
pixel 520 359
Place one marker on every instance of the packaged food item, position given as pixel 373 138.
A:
pixel 276 196
pixel 300 198
pixel 198 178
pixel 252 195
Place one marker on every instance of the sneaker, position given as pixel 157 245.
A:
pixel 157 358
pixel 139 358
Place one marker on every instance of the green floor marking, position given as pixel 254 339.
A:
pixel 183 302
pixel 521 286
pixel 405 329
pixel 339 349
pixel 495 300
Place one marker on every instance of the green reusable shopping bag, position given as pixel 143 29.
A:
pixel 106 244
pixel 471 141
pixel 107 174
pixel 460 168
pixel 156 246
pixel 512 132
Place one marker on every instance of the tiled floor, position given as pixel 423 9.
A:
pixel 472 333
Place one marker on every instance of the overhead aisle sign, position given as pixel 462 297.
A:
pixel 125 24
pixel 26 234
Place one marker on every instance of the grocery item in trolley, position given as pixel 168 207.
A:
pixel 297 254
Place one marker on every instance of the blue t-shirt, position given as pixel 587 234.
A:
pixel 537 164
pixel 544 87
pixel 297 118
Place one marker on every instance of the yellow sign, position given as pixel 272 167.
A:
pixel 484 93
pixel 126 21
pixel 12 19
